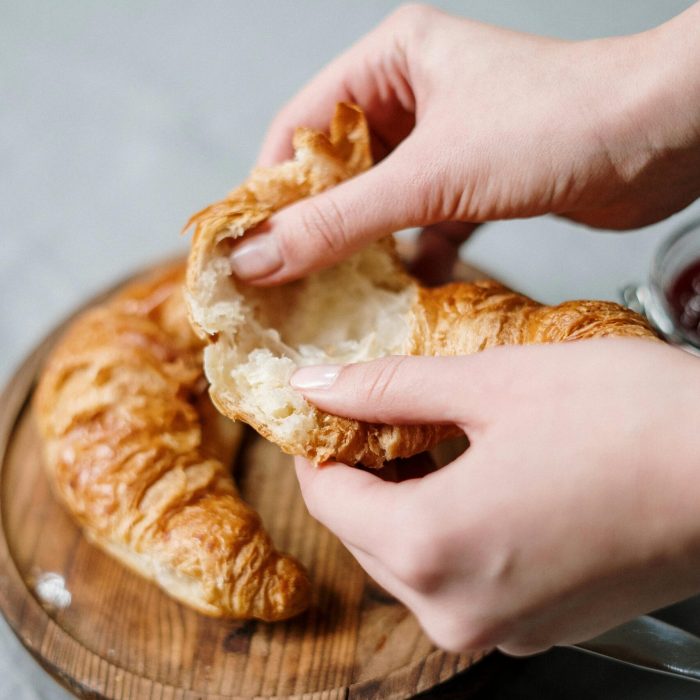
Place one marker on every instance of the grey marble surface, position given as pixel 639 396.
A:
pixel 117 120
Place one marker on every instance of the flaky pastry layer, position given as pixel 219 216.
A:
pixel 363 308
pixel 139 456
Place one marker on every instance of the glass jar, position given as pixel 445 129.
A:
pixel 671 297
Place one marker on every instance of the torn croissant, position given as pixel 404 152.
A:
pixel 363 308
pixel 137 453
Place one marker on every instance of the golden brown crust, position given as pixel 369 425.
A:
pixel 321 163
pixel 453 320
pixel 464 318
pixel 122 409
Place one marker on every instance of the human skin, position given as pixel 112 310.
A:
pixel 476 123
pixel 575 506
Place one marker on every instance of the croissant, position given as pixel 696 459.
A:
pixel 136 452
pixel 361 309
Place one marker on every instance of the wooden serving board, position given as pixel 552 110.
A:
pixel 121 637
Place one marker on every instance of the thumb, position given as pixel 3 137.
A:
pixel 324 229
pixel 356 505
pixel 401 390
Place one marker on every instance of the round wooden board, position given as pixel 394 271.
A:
pixel 122 638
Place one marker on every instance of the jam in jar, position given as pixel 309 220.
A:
pixel 683 295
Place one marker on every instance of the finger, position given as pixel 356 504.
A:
pixel 518 650
pixel 438 251
pixel 372 74
pixel 324 229
pixel 383 577
pixel 403 390
pixel 448 635
pixel 355 505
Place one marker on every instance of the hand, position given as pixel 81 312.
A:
pixel 574 508
pixel 476 123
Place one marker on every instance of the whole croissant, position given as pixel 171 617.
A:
pixel 136 452
pixel 361 309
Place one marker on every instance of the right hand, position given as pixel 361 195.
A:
pixel 474 123
pixel 574 508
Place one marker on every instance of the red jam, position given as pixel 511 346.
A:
pixel 683 296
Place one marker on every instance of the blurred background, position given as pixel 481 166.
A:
pixel 118 120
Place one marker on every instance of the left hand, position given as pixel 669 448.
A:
pixel 575 508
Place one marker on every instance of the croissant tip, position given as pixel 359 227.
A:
pixel 290 593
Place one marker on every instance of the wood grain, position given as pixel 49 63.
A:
pixel 122 638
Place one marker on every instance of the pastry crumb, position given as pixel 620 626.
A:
pixel 50 589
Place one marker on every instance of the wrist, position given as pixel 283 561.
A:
pixel 644 120
pixel 670 111
pixel 643 106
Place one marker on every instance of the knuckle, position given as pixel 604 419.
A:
pixel 456 634
pixel 439 191
pixel 417 572
pixel 411 25
pixel 420 559
pixel 382 377
pixel 288 245
pixel 411 14
pixel 324 221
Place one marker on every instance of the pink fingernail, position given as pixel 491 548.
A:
pixel 318 377
pixel 258 257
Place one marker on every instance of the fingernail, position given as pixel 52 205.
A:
pixel 258 257
pixel 318 377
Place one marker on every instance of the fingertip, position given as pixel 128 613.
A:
pixel 320 486
pixel 304 468
pixel 518 651
pixel 302 463
pixel 306 379
pixel 308 471
pixel 277 145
